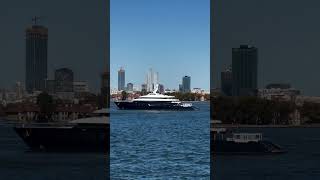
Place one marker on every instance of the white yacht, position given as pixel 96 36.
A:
pixel 155 101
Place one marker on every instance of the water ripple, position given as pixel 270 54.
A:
pixel 160 144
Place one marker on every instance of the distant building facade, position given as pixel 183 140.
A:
pixel 51 86
pixel 36 58
pixel 80 87
pixel 186 84
pixel 180 88
pixel 197 90
pixel 278 86
pixel 144 87
pixel 19 90
pixel 169 90
pixel 226 82
pixel 161 88
pixel 279 92
pixel 244 70
pixel 64 80
pixel 129 87
pixel 121 79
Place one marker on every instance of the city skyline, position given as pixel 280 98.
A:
pixel 151 79
pixel 62 26
pixel 287 40
pixel 160 37
pixel 36 68
pixel 72 43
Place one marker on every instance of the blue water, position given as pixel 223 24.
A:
pixel 160 144
pixel 164 145
pixel 17 162
pixel 301 162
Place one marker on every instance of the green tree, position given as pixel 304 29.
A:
pixel 105 96
pixel 124 95
pixel 45 103
pixel 311 112
pixel 143 92
pixel 251 110
pixel 100 101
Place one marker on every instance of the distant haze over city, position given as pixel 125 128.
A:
pixel 162 35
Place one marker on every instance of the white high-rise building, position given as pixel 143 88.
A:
pixel 152 79
pixel 156 78
pixel 18 90
pixel 149 80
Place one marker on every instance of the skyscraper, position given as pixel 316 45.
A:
pixel 121 80
pixel 244 70
pixel 226 81
pixel 186 84
pixel 36 57
pixel 151 80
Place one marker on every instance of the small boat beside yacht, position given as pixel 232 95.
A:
pixel 227 142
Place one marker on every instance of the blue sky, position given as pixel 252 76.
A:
pixel 170 36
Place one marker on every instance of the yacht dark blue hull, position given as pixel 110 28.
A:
pixel 84 139
pixel 139 105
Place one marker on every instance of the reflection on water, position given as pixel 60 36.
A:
pixel 18 162
pixel 160 144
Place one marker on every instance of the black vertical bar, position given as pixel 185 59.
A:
pixel 211 82
pixel 107 71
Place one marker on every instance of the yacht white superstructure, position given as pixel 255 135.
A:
pixel 155 100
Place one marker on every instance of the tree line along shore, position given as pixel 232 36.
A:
pixel 258 111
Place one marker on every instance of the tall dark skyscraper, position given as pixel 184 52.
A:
pixel 186 84
pixel 36 57
pixel 121 79
pixel 244 70
pixel 226 81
